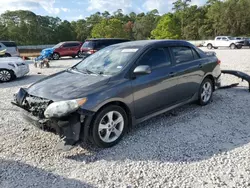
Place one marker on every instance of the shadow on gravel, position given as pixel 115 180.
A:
pixel 26 80
pixel 189 134
pixel 18 174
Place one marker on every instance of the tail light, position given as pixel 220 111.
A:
pixel 92 51
pixel 218 62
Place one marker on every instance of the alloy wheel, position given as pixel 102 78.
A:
pixel 206 92
pixel 111 126
pixel 5 75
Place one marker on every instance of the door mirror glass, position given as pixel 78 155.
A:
pixel 142 70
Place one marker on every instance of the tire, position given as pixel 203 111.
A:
pixel 209 46
pixel 105 137
pixel 232 46
pixel 79 54
pixel 6 75
pixel 73 56
pixel 56 56
pixel 7 55
pixel 205 92
pixel 239 47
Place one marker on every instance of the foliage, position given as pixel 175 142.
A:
pixel 190 22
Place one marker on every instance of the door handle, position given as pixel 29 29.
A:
pixel 171 74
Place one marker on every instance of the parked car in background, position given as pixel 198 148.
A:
pixel 91 46
pixel 69 48
pixel 223 41
pixel 10 47
pixel 244 42
pixel 12 67
pixel 119 86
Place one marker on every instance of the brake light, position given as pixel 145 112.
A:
pixel 218 62
pixel 92 51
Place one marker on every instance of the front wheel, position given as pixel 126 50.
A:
pixel 79 54
pixel 205 92
pixel 6 75
pixel 109 126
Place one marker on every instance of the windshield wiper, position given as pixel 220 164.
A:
pixel 89 71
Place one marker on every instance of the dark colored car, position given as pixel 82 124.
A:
pixel 70 48
pixel 102 96
pixel 91 46
pixel 245 42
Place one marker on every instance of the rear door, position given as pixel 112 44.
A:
pixel 156 90
pixel 65 50
pixel 188 71
pixel 75 46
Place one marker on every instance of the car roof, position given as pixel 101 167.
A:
pixel 107 39
pixel 70 41
pixel 145 43
pixel 7 41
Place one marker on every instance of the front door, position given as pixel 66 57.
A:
pixel 156 90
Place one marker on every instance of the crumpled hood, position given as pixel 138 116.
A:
pixel 67 85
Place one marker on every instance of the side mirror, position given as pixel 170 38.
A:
pixel 142 70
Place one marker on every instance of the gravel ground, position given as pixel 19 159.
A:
pixel 196 147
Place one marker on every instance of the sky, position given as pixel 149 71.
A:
pixel 78 9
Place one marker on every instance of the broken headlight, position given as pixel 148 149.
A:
pixel 63 108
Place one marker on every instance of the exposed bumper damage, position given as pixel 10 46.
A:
pixel 238 74
pixel 71 127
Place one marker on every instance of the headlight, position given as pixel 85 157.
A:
pixel 63 108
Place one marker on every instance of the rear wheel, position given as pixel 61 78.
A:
pixel 56 56
pixel 79 54
pixel 209 46
pixel 206 92
pixel 6 75
pixel 232 46
pixel 109 126
pixel 73 56
pixel 7 55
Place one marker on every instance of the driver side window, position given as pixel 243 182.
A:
pixel 156 58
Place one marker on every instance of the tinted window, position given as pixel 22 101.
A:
pixel 218 38
pixel 156 58
pixel 195 54
pixel 182 54
pixel 75 44
pixel 88 44
pixel 224 38
pixel 9 44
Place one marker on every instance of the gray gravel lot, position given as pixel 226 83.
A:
pixel 198 147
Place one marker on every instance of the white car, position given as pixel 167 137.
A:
pixel 10 47
pixel 223 41
pixel 12 67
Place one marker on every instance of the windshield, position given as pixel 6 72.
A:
pixel 108 61
pixel 58 45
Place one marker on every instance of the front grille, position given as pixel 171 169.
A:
pixel 36 105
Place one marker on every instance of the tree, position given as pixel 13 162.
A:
pixel 112 28
pixel 163 29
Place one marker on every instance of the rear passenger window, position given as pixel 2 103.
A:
pixel 9 44
pixel 156 58
pixel 182 54
pixel 195 54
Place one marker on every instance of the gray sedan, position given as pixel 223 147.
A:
pixel 104 95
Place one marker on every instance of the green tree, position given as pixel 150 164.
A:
pixel 112 28
pixel 163 29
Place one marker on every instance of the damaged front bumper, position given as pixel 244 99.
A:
pixel 72 127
